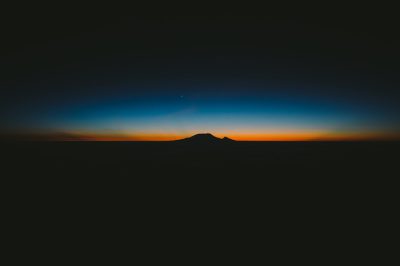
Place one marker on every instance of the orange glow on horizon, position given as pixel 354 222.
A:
pixel 313 137
pixel 283 136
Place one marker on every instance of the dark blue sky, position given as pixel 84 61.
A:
pixel 256 75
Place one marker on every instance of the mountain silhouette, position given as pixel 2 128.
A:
pixel 205 138
pixel 227 139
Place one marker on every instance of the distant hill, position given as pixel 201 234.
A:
pixel 205 138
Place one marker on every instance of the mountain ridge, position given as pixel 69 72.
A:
pixel 206 138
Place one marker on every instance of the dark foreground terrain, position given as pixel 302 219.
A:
pixel 240 168
pixel 324 198
pixel 160 160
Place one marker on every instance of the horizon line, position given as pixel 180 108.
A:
pixel 93 137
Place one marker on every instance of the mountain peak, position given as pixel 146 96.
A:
pixel 206 137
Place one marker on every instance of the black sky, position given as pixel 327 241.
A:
pixel 56 53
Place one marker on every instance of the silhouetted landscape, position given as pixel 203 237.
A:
pixel 204 138
pixel 290 188
pixel 201 156
pixel 201 168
